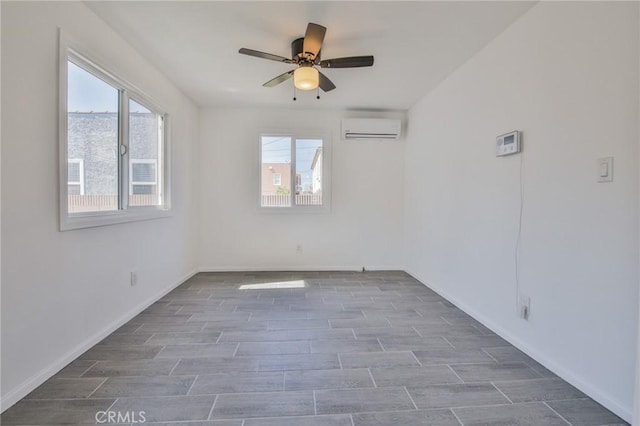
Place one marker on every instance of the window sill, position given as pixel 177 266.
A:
pixel 90 220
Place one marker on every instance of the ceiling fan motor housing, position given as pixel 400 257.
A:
pixel 296 50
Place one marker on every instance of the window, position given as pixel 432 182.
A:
pixel 293 173
pixel 75 177
pixel 112 146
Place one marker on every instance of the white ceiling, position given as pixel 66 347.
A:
pixel 416 45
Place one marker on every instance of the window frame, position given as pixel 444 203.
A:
pixel 71 50
pixel 295 135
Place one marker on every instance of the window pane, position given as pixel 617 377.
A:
pixel 276 160
pixel 145 148
pixel 309 172
pixel 92 136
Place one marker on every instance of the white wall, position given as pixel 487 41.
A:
pixel 63 291
pixel 636 410
pixel 363 228
pixel 566 74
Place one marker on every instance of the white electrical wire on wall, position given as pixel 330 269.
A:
pixel 519 236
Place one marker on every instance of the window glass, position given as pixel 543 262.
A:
pixel 92 136
pixel 276 160
pixel 308 172
pixel 145 142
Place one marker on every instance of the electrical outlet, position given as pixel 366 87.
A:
pixel 134 278
pixel 525 307
pixel 299 248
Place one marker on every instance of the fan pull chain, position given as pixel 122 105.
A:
pixel 318 94
pixel 294 92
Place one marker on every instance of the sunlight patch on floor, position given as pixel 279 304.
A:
pixel 269 286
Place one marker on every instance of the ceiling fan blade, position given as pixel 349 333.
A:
pixel 326 84
pixel 279 79
pixel 350 62
pixel 313 39
pixel 263 55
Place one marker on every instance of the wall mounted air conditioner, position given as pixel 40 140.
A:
pixel 371 128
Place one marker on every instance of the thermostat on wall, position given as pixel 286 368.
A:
pixel 508 144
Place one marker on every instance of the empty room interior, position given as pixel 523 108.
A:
pixel 320 213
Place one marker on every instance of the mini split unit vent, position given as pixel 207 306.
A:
pixel 371 128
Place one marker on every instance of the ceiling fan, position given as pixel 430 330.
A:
pixel 305 53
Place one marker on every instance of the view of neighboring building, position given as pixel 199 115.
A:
pixel 316 172
pixel 93 159
pixel 276 178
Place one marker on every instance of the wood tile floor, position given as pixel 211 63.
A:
pixel 319 349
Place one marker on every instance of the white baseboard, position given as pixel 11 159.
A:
pixel 561 370
pixel 296 268
pixel 43 375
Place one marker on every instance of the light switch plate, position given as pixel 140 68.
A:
pixel 605 169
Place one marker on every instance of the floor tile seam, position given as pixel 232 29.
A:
pixel 215 399
pixel 456 416
pixel 484 382
pixel 192 384
pixel 459 407
pixel 447 340
pixel 81 375
pixel 382 346
pixel 67 399
pixel 502 393
pixel 111 406
pixel 411 410
pixel 558 414
pixel 505 363
pixel 375 385
pixel 460 363
pixel 457 375
pixel 97 387
pixel 235 352
pixel 141 375
pixel 445 320
pixel 174 367
pixel 410 397
pixel 148 339
pixel 146 397
pixel 416 358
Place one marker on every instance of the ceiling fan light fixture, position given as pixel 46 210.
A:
pixel 306 78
